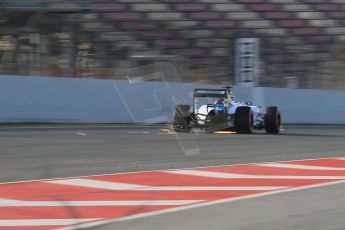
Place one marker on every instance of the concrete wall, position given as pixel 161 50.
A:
pixel 300 105
pixel 46 99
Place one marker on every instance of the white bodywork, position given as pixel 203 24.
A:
pixel 257 111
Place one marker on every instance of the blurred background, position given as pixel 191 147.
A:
pixel 274 43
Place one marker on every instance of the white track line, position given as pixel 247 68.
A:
pixel 295 166
pixel 84 126
pixel 100 222
pixel 98 184
pixel 121 186
pixel 155 213
pixel 21 203
pixel 245 176
pixel 43 222
pixel 145 171
pixel 341 158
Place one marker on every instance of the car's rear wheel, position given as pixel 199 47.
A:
pixel 243 120
pixel 272 120
pixel 182 118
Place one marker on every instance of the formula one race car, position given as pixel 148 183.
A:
pixel 215 110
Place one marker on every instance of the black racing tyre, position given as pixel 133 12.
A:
pixel 243 120
pixel 272 120
pixel 182 118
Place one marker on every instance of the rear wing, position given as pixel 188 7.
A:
pixel 225 93
pixel 222 93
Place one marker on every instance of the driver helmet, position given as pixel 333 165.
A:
pixel 219 100
pixel 219 104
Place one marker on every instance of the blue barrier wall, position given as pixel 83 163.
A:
pixel 300 105
pixel 69 100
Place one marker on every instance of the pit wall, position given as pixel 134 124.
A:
pixel 69 100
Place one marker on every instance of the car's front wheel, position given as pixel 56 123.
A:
pixel 182 118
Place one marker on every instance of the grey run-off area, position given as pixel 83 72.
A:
pixel 50 152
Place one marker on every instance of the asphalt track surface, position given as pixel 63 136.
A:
pixel 51 152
